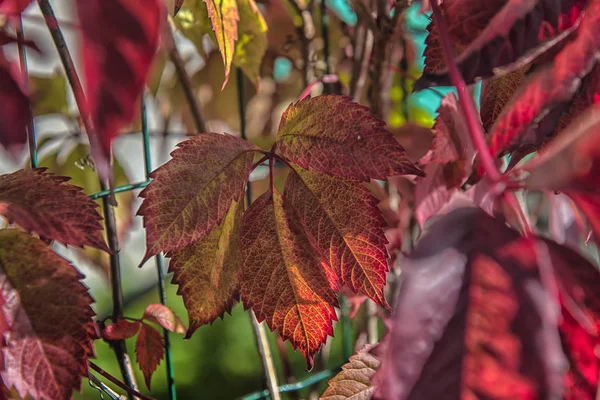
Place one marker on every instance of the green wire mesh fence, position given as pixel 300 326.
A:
pixel 94 382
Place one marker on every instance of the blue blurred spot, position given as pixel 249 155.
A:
pixel 282 69
pixel 343 10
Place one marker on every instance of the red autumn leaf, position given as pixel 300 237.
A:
pixel 516 32
pixel 120 39
pixel 335 136
pixel 207 172
pixel 15 111
pixel 49 319
pixel 579 281
pixel 574 159
pixel 149 351
pixel 209 271
pixel 355 246
pixel 354 381
pixel 496 93
pixel 286 281
pixel 448 163
pixel 13 7
pixel 121 330
pixel 165 317
pixel 587 96
pixel 44 203
pixel 472 317
pixel 549 87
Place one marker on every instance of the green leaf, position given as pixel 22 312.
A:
pixel 252 43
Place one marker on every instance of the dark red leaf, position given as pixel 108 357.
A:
pixel 178 4
pixel 48 314
pixel 121 330
pixel 496 93
pixel 46 204
pixel 120 38
pixel 149 350
pixel 473 318
pixel 516 32
pixel 579 281
pixel 15 111
pixel 549 87
pixel 588 95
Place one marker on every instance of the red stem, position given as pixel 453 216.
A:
pixel 466 102
pixel 118 382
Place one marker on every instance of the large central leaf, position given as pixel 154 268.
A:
pixel 286 281
pixel 355 246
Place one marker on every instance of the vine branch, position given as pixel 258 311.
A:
pixel 109 215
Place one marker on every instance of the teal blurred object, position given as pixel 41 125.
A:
pixel 343 10
pixel 282 69
pixel 428 99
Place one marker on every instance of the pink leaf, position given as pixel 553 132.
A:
pixel 120 38
pixel 165 317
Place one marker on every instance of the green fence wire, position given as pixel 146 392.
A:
pixel 344 320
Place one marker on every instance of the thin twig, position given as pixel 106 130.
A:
pixel 305 32
pixel 184 78
pixel 117 382
pixel 266 357
pixel 109 215
pixel 33 156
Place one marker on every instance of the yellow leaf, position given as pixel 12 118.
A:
pixel 252 43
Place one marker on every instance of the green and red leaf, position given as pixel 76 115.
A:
pixel 149 351
pixel 120 39
pixel 47 310
pixel 286 281
pixel 207 172
pixel 355 246
pixel 209 272
pixel 46 204
pixel 335 136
